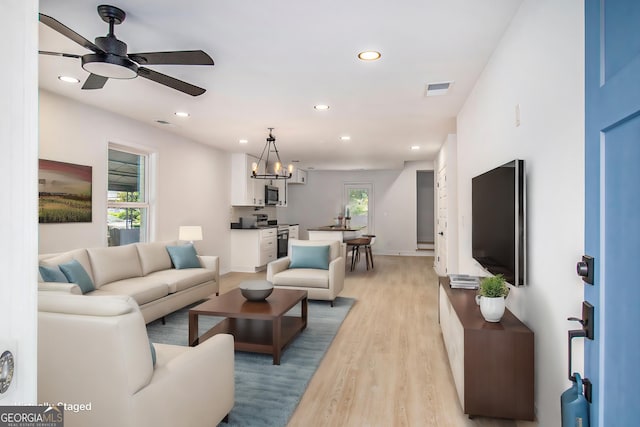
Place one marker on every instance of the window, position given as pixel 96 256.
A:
pixel 127 196
pixel 358 198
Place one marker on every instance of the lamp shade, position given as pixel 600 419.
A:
pixel 190 232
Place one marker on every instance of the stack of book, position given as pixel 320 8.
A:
pixel 463 281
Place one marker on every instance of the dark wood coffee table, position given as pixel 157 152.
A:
pixel 257 327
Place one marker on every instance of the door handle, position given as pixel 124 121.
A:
pixel 441 233
pixel 586 321
pixel 586 332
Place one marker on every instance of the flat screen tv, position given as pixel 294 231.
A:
pixel 498 224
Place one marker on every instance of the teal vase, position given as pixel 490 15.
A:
pixel 574 406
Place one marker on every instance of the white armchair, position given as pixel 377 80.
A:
pixel 95 351
pixel 320 284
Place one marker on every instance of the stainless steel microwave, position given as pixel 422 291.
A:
pixel 270 195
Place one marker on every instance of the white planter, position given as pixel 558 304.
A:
pixel 492 309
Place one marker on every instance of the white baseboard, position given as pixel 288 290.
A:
pixel 406 253
pixel 427 246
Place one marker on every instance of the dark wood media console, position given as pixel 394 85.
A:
pixel 492 363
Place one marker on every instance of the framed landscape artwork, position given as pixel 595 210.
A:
pixel 64 192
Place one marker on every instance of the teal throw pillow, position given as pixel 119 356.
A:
pixel 75 273
pixel 310 257
pixel 52 274
pixel 153 353
pixel 183 256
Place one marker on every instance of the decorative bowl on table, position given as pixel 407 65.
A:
pixel 256 290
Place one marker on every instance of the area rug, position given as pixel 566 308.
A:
pixel 266 394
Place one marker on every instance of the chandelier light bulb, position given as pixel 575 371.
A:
pixel 290 168
pixel 277 167
pixel 254 167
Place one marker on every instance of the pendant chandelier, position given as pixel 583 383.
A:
pixel 266 168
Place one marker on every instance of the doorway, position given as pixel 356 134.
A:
pixel 425 230
pixel 358 202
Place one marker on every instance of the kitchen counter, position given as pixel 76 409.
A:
pixel 236 226
pixel 333 232
pixel 335 228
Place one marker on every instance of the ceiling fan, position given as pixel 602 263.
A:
pixel 111 60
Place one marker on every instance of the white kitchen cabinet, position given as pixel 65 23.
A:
pixel 253 249
pixel 245 191
pixel 294 231
pixel 282 191
pixel 298 176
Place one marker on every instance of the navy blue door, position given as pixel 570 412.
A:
pixel 612 207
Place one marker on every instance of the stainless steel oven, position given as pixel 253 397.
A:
pixel 283 241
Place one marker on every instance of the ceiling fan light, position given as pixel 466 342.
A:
pixel 111 66
pixel 68 79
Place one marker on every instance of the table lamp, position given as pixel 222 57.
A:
pixel 190 233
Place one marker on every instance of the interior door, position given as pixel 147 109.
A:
pixel 612 203
pixel 441 222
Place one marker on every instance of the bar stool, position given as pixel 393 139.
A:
pixel 355 250
pixel 367 248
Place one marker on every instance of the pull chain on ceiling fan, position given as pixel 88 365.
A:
pixel 111 60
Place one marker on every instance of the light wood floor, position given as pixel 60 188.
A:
pixel 387 365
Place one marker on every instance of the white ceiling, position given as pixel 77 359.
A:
pixel 276 59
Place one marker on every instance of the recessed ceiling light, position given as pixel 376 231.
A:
pixel 68 79
pixel 415 147
pixel 243 141
pixel 345 138
pixel 181 114
pixel 369 55
pixel 321 107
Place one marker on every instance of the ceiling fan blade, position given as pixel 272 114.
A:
pixel 174 83
pixel 68 32
pixel 94 81
pixel 65 55
pixel 180 57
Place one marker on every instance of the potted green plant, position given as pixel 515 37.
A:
pixel 492 292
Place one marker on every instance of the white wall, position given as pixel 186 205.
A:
pixel 318 202
pixel 18 170
pixel 192 180
pixel 538 65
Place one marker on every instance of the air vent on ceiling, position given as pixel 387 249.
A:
pixel 435 89
pixel 163 122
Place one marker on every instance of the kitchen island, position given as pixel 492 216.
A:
pixel 333 232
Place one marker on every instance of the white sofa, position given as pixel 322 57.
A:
pixel 320 284
pixel 94 352
pixel 142 271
